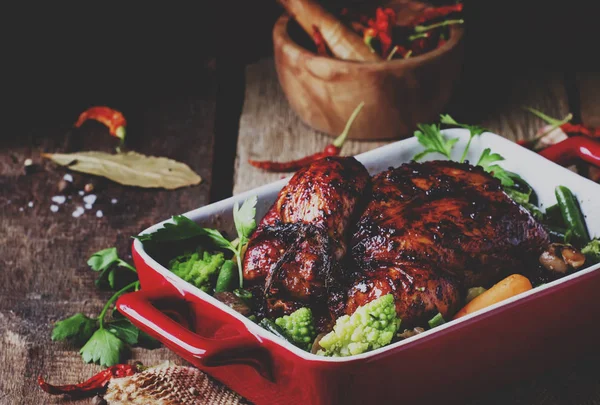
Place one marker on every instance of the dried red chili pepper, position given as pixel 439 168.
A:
pixel 581 129
pixel 319 41
pixel 436 12
pixel 91 386
pixel 113 119
pixel 576 147
pixel 333 149
pixel 384 21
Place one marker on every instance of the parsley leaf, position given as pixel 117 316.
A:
pixel 432 139
pixel 104 262
pixel 182 228
pixel 77 327
pixel 124 330
pixel 245 223
pixel 487 158
pixel 103 259
pixel 474 130
pixel 103 348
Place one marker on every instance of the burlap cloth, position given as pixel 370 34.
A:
pixel 168 384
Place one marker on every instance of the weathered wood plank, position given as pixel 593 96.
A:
pixel 588 85
pixel 43 253
pixel 269 129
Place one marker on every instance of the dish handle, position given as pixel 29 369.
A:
pixel 244 348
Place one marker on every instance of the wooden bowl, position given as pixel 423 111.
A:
pixel 398 94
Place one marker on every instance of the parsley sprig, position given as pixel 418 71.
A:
pixel 431 138
pixel 184 228
pixel 474 131
pixel 105 341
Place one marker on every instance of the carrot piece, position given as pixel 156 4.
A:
pixel 506 288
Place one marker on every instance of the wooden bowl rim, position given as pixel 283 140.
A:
pixel 456 34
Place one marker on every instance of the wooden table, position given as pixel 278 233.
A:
pixel 43 253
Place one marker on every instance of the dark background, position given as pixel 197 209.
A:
pixel 59 58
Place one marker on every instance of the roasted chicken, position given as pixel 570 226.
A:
pixel 431 230
pixel 424 232
pixel 294 257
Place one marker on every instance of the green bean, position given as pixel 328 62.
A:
pixel 569 207
pixel 226 276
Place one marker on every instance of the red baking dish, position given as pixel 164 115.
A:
pixel 508 341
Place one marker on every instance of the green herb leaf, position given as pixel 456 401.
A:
pixel 184 228
pixel 501 174
pixel 244 218
pixel 124 330
pixel 77 327
pixel 474 131
pixel 103 259
pixel 432 139
pixel 103 348
pixel 486 159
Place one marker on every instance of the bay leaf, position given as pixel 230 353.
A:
pixel 130 169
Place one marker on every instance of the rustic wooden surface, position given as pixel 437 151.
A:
pixel 43 254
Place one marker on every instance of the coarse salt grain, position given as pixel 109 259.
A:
pixel 30 205
pixel 21 209
pixel 78 212
pixel 99 214
pixel 68 177
pixel 59 199
pixel 81 192
pixel 113 201
pixel 88 206
pixel 89 199
pixel 54 208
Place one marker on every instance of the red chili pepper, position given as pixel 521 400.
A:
pixel 576 147
pixel 333 149
pixel 319 41
pixel 384 21
pixel 113 119
pixel 436 12
pixel 92 385
pixel 580 129
pixel 565 125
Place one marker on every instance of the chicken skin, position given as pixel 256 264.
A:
pixel 430 231
pixel 294 257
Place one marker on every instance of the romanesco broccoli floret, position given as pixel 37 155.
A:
pixel 198 268
pixel 369 327
pixel 592 250
pixel 299 327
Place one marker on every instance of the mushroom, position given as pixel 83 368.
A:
pixel 560 258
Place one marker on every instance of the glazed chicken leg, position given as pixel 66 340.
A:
pixel 433 229
pixel 294 256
